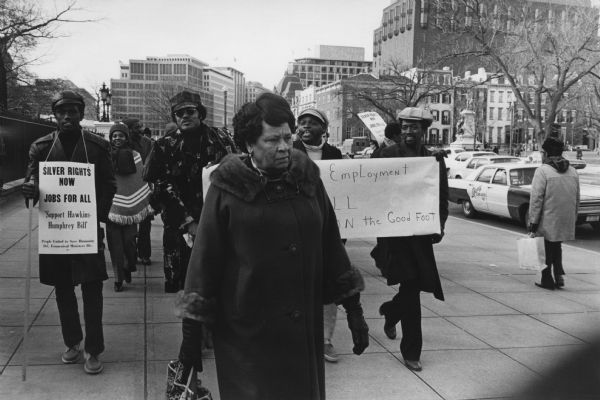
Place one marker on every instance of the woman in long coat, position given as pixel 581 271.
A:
pixel 266 257
pixel 553 208
pixel 410 260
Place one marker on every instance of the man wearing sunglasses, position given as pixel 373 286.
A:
pixel 175 167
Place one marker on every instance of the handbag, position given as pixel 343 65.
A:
pixel 531 252
pixel 176 390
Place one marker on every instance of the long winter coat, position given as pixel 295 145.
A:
pixel 554 200
pixel 411 257
pixel 77 268
pixel 267 256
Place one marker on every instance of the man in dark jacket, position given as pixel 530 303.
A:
pixel 64 272
pixel 312 128
pixel 142 145
pixel 175 166
pixel 410 260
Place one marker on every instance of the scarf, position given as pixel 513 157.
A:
pixel 123 161
pixel 314 152
pixel 131 204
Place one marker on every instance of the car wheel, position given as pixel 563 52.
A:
pixel 458 177
pixel 468 209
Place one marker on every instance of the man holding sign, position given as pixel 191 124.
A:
pixel 75 156
pixel 409 260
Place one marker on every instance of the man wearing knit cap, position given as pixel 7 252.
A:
pixel 65 271
pixel 142 145
pixel 553 205
pixel 312 127
pixel 175 167
pixel 410 260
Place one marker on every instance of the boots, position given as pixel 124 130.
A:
pixel 547 281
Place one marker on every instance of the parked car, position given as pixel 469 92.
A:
pixel 535 157
pixel 464 170
pixel 461 158
pixel 365 153
pixel 453 151
pixel 355 144
pixel 504 190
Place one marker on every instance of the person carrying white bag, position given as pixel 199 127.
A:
pixel 553 207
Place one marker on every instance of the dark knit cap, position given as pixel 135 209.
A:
pixel 130 122
pixel 118 126
pixel 553 146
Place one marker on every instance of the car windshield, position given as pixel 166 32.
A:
pixel 520 177
pixel 508 159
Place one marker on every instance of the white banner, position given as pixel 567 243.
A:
pixel 375 123
pixel 383 196
pixel 380 197
pixel 67 216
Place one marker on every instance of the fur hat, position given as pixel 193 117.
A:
pixel 186 99
pixel 553 146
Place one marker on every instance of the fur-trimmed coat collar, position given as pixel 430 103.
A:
pixel 234 176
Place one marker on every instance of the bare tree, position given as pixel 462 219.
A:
pixel 541 52
pixel 157 101
pixel 399 87
pixel 23 24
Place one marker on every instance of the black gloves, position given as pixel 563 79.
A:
pixel 437 237
pixel 190 353
pixel 30 191
pixel 356 323
pixel 440 155
pixel 532 228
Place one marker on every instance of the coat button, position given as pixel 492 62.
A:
pixel 293 248
pixel 279 188
pixel 296 315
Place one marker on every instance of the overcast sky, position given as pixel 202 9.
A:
pixel 258 37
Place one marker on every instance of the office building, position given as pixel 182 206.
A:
pixel 145 86
pixel 329 64
pixel 239 86
pixel 253 90
pixel 407 33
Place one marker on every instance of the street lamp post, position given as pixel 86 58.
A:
pixel 106 98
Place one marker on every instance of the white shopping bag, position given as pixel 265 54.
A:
pixel 531 253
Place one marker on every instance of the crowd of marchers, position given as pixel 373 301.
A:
pixel 259 257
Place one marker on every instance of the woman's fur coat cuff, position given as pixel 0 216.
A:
pixel 348 284
pixel 192 305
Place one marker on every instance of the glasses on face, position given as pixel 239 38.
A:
pixel 185 111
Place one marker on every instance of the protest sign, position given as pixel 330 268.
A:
pixel 375 123
pixel 380 197
pixel 67 215
pixel 384 196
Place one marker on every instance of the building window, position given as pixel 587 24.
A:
pixel 436 115
pixel 491 114
pixel 500 97
pixel 137 68
pixel 499 114
pixel 434 98
pixel 446 117
pixel 490 133
pixel 446 98
pixel 492 97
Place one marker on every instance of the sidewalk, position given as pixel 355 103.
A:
pixel 495 331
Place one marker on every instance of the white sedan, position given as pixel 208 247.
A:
pixel 504 190
pixel 461 159
pixel 464 170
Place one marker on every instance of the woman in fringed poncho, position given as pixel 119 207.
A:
pixel 130 205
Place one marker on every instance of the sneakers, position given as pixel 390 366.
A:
pixel 71 355
pixel 92 364
pixel 329 353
